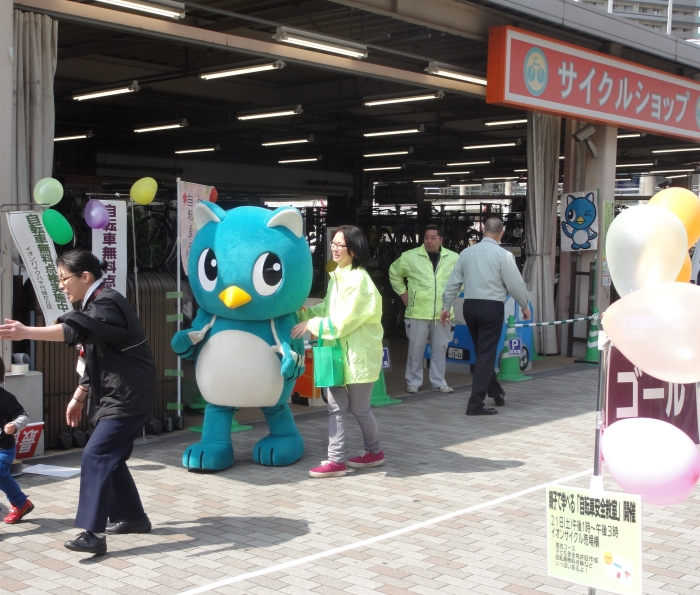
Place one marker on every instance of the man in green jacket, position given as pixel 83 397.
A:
pixel 426 269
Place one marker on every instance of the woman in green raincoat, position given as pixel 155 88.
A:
pixel 353 309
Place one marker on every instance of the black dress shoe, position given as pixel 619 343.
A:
pixel 482 411
pixel 121 527
pixel 500 399
pixel 88 543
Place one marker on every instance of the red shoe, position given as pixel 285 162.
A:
pixel 17 514
pixel 328 469
pixel 367 459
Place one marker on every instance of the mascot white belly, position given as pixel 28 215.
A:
pixel 580 236
pixel 239 369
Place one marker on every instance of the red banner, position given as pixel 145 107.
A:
pixel 541 74
pixel 633 393
pixel 28 439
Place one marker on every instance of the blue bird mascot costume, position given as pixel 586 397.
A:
pixel 250 271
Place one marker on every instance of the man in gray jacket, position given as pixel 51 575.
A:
pixel 488 273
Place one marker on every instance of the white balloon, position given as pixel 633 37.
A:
pixel 658 330
pixel 651 458
pixel 645 245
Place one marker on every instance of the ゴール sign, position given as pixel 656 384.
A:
pixel 540 74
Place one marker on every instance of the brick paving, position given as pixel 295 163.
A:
pixel 209 527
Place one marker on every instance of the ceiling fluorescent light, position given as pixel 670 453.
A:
pixel 88 134
pixel 670 171
pixel 165 126
pixel 412 130
pixel 427 181
pixel 672 177
pixel 635 135
pixel 465 185
pixel 453 72
pixel 503 178
pixel 320 42
pixel 686 150
pixel 635 165
pixel 381 168
pixel 201 150
pixel 519 170
pixel 274 113
pixel 163 8
pixel 399 98
pixel 491 146
pixel 277 64
pixel 291 141
pixel 134 86
pixel 300 160
pixel 463 163
pixel 451 173
pixel 389 153
pixel 506 122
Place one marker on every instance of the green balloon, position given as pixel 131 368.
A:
pixel 48 191
pixel 57 226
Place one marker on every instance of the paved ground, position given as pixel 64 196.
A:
pixel 255 523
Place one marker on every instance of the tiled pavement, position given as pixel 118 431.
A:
pixel 208 528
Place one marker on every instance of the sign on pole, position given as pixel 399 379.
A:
pixel 39 257
pixel 190 196
pixel 595 540
pixel 542 74
pixel 579 221
pixel 633 393
pixel 109 244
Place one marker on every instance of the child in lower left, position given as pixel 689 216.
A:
pixel 13 419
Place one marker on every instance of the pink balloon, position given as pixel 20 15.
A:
pixel 96 215
pixel 651 458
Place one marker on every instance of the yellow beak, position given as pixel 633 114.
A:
pixel 234 297
pixel 580 220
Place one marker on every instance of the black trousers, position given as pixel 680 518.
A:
pixel 484 319
pixel 107 490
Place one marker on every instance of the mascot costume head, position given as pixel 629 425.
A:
pixel 250 271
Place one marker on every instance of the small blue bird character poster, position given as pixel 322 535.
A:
pixel 579 222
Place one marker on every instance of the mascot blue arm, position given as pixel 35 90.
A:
pixel 248 293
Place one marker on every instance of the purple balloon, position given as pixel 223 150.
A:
pixel 96 215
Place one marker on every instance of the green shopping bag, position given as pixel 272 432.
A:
pixel 328 361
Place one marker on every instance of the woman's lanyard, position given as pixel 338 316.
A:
pixel 80 368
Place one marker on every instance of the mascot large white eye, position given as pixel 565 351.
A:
pixel 208 270
pixel 267 273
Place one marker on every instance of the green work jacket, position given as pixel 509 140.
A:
pixel 354 308
pixel 425 285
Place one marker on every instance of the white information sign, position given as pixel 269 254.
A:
pixel 189 195
pixel 39 257
pixel 110 244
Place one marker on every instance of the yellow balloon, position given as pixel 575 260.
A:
pixel 686 205
pixel 144 191
pixel 686 270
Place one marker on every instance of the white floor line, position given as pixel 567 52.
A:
pixel 376 539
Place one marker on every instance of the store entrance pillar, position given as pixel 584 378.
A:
pixel 6 148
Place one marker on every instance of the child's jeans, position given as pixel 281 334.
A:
pixel 7 483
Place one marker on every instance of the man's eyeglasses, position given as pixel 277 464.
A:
pixel 64 279
pixel 338 246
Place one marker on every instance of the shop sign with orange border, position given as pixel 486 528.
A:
pixel 540 74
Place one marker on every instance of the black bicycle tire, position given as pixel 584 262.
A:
pixel 161 223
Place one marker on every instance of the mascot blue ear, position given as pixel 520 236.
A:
pixel 205 212
pixel 287 217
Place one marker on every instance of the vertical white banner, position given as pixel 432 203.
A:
pixel 189 195
pixel 109 244
pixel 39 257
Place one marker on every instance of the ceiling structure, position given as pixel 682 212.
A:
pixel 332 114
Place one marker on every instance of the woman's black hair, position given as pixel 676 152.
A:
pixel 357 244
pixel 79 261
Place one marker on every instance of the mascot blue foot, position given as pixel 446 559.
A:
pixel 215 451
pixel 284 445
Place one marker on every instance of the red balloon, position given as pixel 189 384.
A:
pixel 213 195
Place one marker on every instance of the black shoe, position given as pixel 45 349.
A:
pixel 500 399
pixel 87 543
pixel 482 411
pixel 122 527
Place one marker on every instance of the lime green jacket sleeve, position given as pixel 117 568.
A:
pixel 319 309
pixel 397 276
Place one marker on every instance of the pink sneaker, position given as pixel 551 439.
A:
pixel 367 459
pixel 328 469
